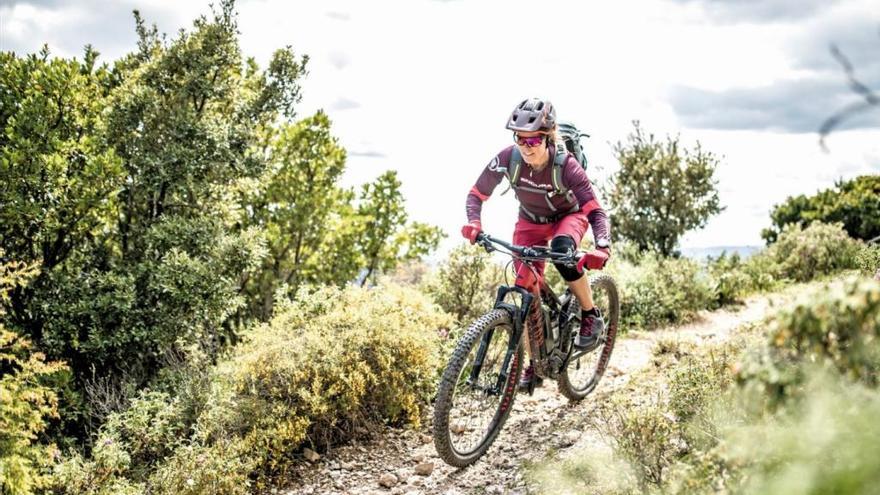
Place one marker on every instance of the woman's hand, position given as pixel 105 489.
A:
pixel 595 259
pixel 471 230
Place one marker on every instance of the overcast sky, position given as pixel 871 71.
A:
pixel 425 87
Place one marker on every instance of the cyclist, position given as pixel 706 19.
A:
pixel 545 213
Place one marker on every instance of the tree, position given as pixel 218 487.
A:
pixel 854 203
pixel 293 203
pixel 117 181
pixel 385 239
pixel 661 191
pixel 58 177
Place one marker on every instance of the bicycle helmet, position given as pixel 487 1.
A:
pixel 533 114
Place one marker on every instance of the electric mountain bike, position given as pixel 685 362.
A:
pixel 480 382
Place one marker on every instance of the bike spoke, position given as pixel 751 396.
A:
pixel 475 405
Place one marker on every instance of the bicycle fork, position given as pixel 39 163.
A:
pixel 518 317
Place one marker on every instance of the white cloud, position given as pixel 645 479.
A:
pixel 424 87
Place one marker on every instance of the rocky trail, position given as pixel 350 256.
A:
pixel 404 461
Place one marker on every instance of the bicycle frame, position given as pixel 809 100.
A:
pixel 550 351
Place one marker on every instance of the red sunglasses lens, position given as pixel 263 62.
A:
pixel 529 141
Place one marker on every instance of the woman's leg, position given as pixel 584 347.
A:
pixel 577 282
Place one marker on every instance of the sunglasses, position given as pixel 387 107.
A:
pixel 530 142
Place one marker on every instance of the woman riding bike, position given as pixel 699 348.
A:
pixel 545 213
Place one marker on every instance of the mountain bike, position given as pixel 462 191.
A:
pixel 480 382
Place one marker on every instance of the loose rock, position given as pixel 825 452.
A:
pixel 311 455
pixel 388 480
pixel 425 468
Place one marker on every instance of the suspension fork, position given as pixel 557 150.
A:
pixel 518 317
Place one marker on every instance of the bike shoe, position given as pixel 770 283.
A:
pixel 530 380
pixel 592 328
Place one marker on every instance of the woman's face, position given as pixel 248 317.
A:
pixel 534 151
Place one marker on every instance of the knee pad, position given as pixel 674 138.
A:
pixel 562 244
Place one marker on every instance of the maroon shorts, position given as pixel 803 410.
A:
pixel 526 233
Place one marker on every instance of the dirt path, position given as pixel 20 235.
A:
pixel 539 425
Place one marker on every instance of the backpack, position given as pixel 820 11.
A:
pixel 571 143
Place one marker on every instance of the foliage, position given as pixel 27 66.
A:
pixel 854 203
pixel 27 401
pixel 193 469
pixel 292 203
pixel 868 259
pixel 382 240
pixel 660 290
pixel 57 175
pixel 363 357
pixel 643 434
pixel 661 191
pixel 733 277
pixel 828 444
pixel 834 326
pixel 316 234
pixel 802 254
pixel 465 283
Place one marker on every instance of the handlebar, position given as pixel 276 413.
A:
pixel 527 253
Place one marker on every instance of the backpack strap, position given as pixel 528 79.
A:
pixel 558 165
pixel 513 170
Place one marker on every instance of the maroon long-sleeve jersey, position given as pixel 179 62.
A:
pixel 534 192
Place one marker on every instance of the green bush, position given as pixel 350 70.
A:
pixel 802 254
pixel 329 363
pixel 659 291
pixel 835 326
pixel 854 203
pixel 129 446
pixel 334 361
pixel 465 284
pixel 104 473
pixel 868 259
pixel 26 405
pixel 194 469
pixel 27 400
pixel 644 435
pixel 696 388
pixel 829 443
pixel 730 281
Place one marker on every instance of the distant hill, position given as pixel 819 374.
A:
pixel 715 251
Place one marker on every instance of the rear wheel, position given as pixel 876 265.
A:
pixel 585 369
pixel 474 399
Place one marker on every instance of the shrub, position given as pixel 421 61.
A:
pixel 829 443
pixel 801 254
pixel 868 259
pixel 836 326
pixel 763 273
pixel 129 446
pixel 660 290
pixel 334 361
pixel 695 390
pixel 26 403
pixel 730 282
pixel 194 469
pixel 26 399
pixel 465 283
pixel 645 435
pixel 102 474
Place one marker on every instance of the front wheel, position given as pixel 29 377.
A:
pixel 476 390
pixel 585 369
